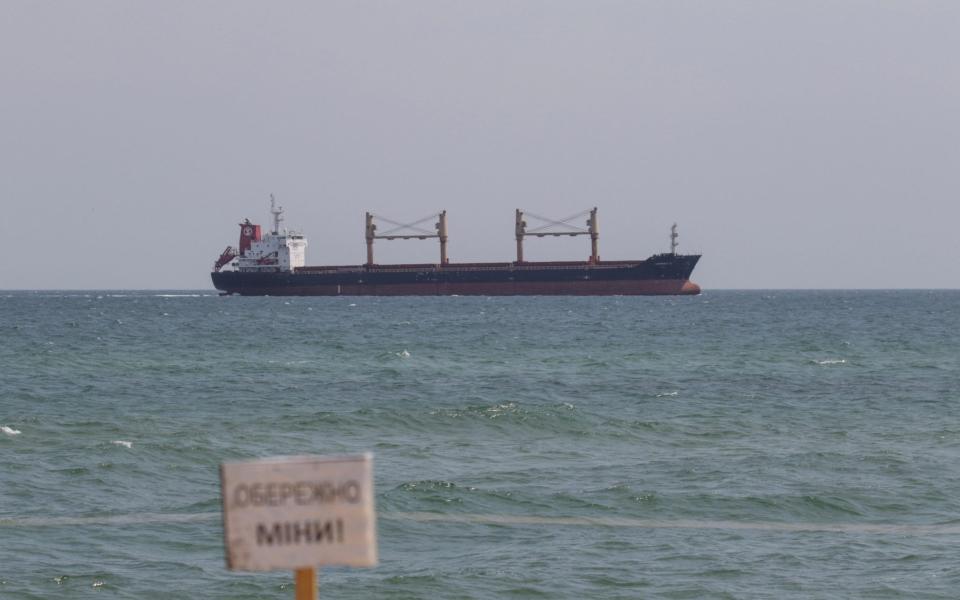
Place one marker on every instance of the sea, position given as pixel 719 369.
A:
pixel 736 444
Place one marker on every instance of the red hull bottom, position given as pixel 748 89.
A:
pixel 657 287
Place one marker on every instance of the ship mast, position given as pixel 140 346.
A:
pixel 673 239
pixel 566 228
pixel 276 211
pixel 594 236
pixel 419 233
pixel 521 230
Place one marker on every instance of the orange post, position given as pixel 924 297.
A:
pixel 306 584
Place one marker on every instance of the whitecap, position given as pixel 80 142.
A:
pixel 10 430
pixel 403 354
pixel 666 394
pixel 123 443
pixel 841 361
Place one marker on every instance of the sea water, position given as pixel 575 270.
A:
pixel 755 444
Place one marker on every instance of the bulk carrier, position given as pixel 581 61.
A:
pixel 273 264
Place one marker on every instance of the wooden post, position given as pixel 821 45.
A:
pixel 306 584
pixel 371 228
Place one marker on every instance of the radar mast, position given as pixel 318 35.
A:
pixel 277 212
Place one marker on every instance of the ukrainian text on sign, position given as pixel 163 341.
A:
pixel 299 512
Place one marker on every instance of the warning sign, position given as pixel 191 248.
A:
pixel 297 512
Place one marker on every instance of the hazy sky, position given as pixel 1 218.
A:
pixel 797 144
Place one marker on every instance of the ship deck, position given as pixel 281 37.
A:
pixel 471 266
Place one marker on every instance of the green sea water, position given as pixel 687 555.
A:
pixel 756 444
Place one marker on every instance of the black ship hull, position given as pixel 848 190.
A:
pixel 663 274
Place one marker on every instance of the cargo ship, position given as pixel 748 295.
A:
pixel 274 264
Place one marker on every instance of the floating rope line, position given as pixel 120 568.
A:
pixel 522 520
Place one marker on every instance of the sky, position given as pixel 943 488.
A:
pixel 809 144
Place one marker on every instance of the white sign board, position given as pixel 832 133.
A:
pixel 299 512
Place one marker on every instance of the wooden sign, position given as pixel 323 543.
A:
pixel 299 512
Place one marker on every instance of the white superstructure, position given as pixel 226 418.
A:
pixel 281 251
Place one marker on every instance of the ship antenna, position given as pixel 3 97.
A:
pixel 277 211
pixel 673 239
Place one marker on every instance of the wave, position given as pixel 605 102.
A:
pixel 123 443
pixel 178 295
pixel 9 430
pixel 831 361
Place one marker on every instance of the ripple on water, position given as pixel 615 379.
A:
pixel 786 408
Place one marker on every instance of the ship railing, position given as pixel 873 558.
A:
pixel 414 268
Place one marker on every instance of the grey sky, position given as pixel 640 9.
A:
pixel 797 144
